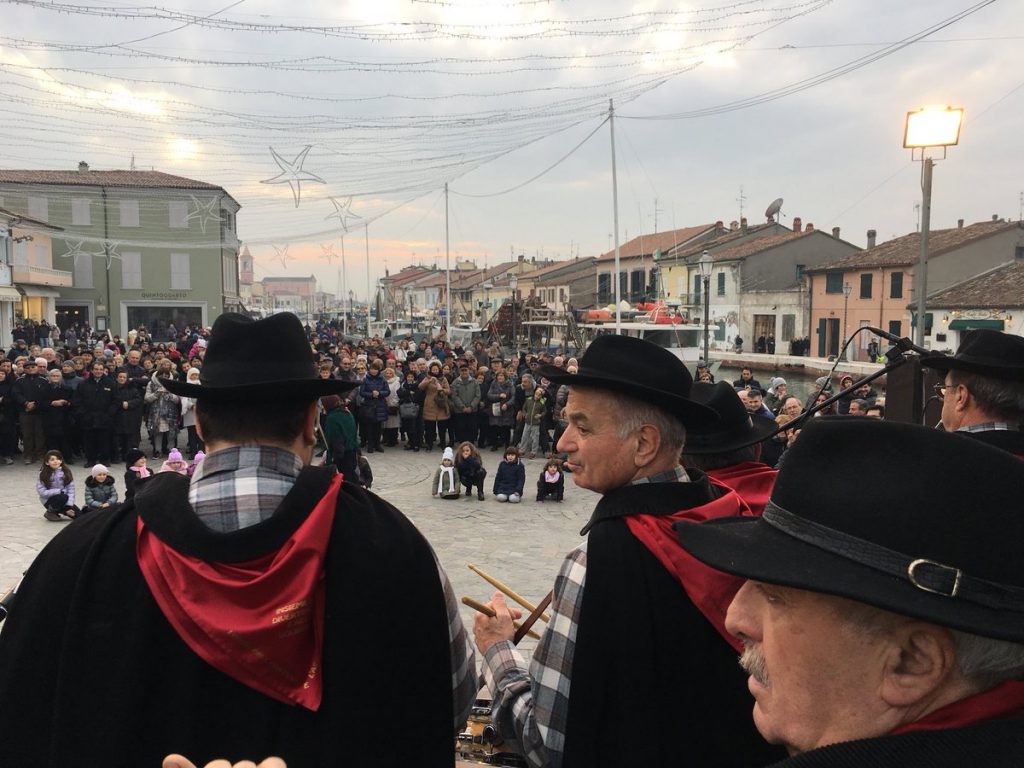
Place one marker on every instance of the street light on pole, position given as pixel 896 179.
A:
pixel 847 290
pixel 928 127
pixel 705 263
pixel 513 283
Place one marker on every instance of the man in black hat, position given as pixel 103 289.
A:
pixel 633 658
pixel 264 607
pixel 878 629
pixel 983 390
pixel 729 451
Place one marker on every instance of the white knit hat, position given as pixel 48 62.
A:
pixel 99 469
pixel 448 454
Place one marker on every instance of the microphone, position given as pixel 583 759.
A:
pixel 904 344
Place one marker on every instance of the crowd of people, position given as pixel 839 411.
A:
pixel 264 605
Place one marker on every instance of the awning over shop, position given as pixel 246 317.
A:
pixel 966 325
pixel 9 294
pixel 38 291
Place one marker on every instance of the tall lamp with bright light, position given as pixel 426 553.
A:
pixel 926 128
pixel 705 262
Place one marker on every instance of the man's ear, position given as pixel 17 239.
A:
pixel 921 660
pixel 648 443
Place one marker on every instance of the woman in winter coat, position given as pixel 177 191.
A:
pixel 164 411
pixel 188 415
pixel 502 394
pixel 128 419
pixel 393 422
pixel 373 409
pixel 8 419
pixel 435 414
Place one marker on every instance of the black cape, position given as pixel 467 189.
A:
pixel 995 744
pixel 92 674
pixel 653 683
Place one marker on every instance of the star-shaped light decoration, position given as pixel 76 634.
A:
pixel 342 211
pixel 75 251
pixel 281 254
pixel 292 173
pixel 205 212
pixel 109 253
pixel 328 252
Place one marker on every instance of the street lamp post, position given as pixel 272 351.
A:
pixel 513 283
pixel 705 275
pixel 928 127
pixel 847 290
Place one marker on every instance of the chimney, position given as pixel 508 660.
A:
pixel 734 225
pixel 797 224
pixel 83 167
pixel 995 217
pixel 959 223
pixel 871 238
pixel 809 227
pixel 743 224
pixel 718 224
pixel 835 232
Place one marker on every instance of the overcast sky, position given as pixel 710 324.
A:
pixel 394 98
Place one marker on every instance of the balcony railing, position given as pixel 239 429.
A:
pixel 24 273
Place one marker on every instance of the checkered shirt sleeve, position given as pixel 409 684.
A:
pixel 462 654
pixel 530 706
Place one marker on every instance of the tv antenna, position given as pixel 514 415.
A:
pixel 741 200
pixel 773 209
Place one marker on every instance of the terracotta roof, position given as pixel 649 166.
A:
pixel 103 178
pixel 407 275
pixel 688 250
pixel 648 244
pixel 742 250
pixel 557 267
pixel 996 289
pixel 905 251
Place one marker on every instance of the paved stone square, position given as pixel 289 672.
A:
pixel 520 544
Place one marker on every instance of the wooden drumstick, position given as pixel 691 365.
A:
pixel 481 608
pixel 505 590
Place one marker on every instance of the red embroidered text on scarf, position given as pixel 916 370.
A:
pixel 1006 700
pixel 709 590
pixel 259 622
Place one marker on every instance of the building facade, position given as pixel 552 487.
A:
pixel 144 248
pixel 29 285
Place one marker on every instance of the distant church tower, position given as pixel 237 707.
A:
pixel 245 266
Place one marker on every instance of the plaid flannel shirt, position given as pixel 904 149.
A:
pixel 990 426
pixel 242 486
pixel 530 704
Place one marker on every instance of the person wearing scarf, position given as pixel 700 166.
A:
pixel 877 628
pixel 446 478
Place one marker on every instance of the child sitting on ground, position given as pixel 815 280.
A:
pixel 510 477
pixel 471 469
pixel 56 487
pixel 446 478
pixel 175 462
pixel 551 483
pixel 135 460
pixel 195 463
pixel 100 492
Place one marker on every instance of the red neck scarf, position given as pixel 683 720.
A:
pixel 709 590
pixel 261 621
pixel 752 480
pixel 1006 700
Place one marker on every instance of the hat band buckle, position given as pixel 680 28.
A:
pixel 957 574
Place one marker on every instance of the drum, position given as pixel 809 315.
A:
pixel 479 741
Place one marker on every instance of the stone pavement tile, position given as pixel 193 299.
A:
pixel 522 545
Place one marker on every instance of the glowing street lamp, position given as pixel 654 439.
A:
pixel 928 127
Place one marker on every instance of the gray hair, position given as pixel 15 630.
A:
pixel 634 413
pixel 983 662
pixel 998 398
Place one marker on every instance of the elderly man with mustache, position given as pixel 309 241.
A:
pixel 881 628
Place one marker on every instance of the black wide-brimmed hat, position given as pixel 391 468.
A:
pixel 917 540
pixel 736 427
pixel 640 369
pixel 253 360
pixel 985 352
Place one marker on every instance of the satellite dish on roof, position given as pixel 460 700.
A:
pixel 773 209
